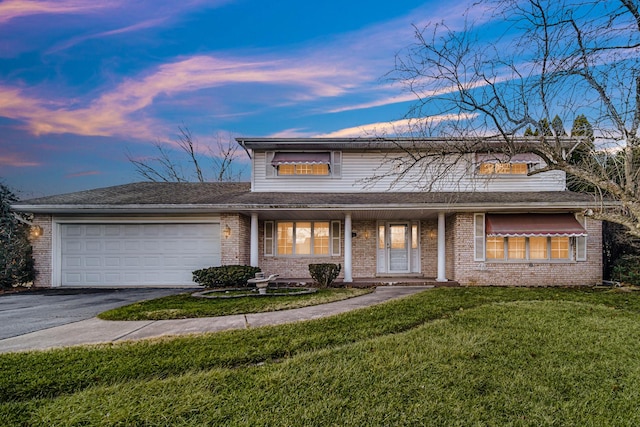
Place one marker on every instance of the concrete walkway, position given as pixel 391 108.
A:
pixel 94 331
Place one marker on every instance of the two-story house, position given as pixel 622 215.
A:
pixel 387 209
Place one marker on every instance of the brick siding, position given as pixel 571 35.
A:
pixel 571 273
pixel 42 251
pixel 460 265
pixel 235 249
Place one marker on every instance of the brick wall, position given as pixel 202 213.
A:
pixel 469 272
pixel 295 267
pixel 235 249
pixel 364 247
pixel 42 251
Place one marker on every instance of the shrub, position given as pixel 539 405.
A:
pixel 16 261
pixel 627 270
pixel 225 276
pixel 324 274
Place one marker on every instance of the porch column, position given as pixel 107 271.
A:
pixel 442 277
pixel 253 260
pixel 347 248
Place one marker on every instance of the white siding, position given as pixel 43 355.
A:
pixel 359 167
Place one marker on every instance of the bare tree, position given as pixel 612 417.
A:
pixel 167 166
pixel 564 57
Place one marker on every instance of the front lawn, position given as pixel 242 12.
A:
pixel 466 356
pixel 185 306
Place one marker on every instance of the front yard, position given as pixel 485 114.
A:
pixel 450 356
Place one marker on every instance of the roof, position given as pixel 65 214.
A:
pixel 468 144
pixel 186 198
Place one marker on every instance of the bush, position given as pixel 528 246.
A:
pixel 627 270
pixel 324 274
pixel 16 261
pixel 225 276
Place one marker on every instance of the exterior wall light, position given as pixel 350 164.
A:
pixel 35 231
pixel 366 235
pixel 226 232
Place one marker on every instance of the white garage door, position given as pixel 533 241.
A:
pixel 136 254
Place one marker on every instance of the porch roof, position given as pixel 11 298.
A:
pixel 187 198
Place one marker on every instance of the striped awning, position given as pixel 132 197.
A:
pixel 310 158
pixel 528 225
pixel 528 158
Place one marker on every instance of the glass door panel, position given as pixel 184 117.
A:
pixel 398 248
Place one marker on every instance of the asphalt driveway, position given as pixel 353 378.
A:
pixel 30 311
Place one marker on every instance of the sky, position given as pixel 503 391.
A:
pixel 86 84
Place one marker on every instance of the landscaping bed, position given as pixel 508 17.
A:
pixel 185 306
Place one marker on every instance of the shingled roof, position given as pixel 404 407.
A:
pixel 237 196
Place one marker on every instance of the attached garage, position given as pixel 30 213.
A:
pixel 134 254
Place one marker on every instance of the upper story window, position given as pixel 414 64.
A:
pixel 503 169
pixel 501 164
pixel 303 169
pixel 304 163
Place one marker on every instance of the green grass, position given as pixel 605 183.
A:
pixel 185 306
pixel 474 356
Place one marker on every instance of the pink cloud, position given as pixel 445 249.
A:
pixel 11 9
pixel 81 174
pixel 395 127
pixel 17 161
pixel 120 112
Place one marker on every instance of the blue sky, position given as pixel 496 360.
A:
pixel 83 82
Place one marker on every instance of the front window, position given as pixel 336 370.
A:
pixel 495 248
pixel 538 248
pixel 517 248
pixel 528 248
pixel 303 238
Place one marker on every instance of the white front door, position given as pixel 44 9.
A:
pixel 398 247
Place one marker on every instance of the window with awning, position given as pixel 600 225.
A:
pixel 302 163
pixel 502 164
pixel 528 225
pixel 529 237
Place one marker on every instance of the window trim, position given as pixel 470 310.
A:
pixel 479 240
pixel 527 259
pixel 581 241
pixel 271 243
pixel 334 166
pixel 511 173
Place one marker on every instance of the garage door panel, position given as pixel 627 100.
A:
pixel 72 231
pixel 93 246
pixel 72 246
pixel 72 261
pixel 112 261
pixel 111 230
pixel 136 254
pixel 112 246
pixel 72 278
pixel 132 262
pixel 131 230
pixel 92 261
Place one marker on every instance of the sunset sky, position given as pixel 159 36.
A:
pixel 84 82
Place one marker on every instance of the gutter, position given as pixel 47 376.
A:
pixel 207 208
